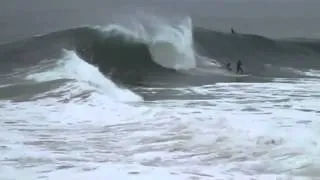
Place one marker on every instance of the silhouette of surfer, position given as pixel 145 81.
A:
pixel 229 67
pixel 239 67
pixel 232 31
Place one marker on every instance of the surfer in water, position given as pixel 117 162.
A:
pixel 229 67
pixel 239 67
pixel 232 31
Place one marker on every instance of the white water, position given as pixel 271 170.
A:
pixel 312 72
pixel 87 77
pixel 229 131
pixel 170 45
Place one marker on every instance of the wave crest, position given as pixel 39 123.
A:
pixel 170 46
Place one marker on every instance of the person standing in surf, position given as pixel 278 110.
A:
pixel 239 67
pixel 232 31
pixel 229 67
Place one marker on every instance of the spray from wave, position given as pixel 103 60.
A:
pixel 170 46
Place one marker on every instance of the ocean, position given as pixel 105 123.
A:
pixel 140 90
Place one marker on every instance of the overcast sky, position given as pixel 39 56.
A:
pixel 23 18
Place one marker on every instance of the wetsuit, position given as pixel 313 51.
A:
pixel 232 31
pixel 239 67
pixel 229 67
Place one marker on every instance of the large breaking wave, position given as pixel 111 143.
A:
pixel 154 51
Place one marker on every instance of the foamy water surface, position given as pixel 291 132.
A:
pixel 241 131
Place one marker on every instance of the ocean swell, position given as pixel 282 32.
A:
pixel 162 52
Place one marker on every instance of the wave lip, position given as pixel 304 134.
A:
pixel 170 46
pixel 173 47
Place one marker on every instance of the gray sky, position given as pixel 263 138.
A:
pixel 281 18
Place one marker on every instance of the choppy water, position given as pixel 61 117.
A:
pixel 241 131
